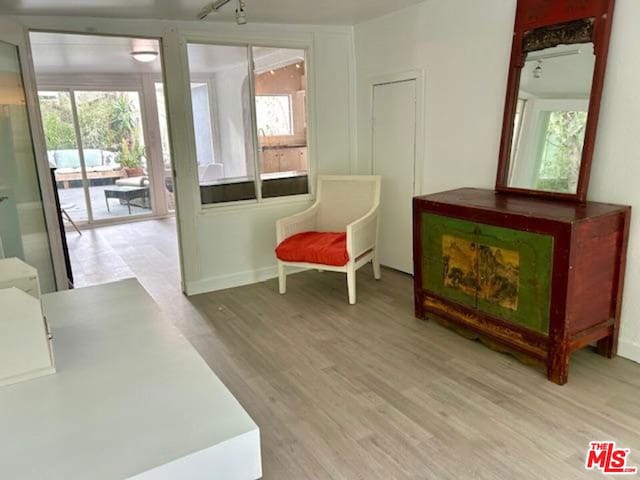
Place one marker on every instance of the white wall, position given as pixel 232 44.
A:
pixel 616 162
pixel 463 47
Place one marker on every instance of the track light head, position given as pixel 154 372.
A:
pixel 241 16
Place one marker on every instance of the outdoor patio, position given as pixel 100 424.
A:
pixel 73 201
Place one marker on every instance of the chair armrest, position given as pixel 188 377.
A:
pixel 298 223
pixel 362 234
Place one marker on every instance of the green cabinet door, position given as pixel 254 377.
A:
pixel 501 272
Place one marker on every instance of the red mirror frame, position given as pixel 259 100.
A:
pixel 535 14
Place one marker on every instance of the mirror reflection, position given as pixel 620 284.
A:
pixel 551 118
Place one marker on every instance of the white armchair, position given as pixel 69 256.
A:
pixel 345 215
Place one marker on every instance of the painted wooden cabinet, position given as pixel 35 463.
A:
pixel 536 278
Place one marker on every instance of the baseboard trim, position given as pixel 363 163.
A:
pixel 629 350
pixel 223 282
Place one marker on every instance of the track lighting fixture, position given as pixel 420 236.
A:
pixel 214 7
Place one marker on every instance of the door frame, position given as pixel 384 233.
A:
pixel 16 34
pixel 400 77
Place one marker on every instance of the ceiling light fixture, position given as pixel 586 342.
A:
pixel 241 15
pixel 214 7
pixel 537 72
pixel 144 56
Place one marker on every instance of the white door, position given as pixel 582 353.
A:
pixel 394 154
pixel 23 228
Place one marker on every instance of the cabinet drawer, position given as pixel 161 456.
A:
pixel 499 271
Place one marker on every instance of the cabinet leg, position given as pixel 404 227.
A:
pixel 608 346
pixel 418 306
pixel 558 365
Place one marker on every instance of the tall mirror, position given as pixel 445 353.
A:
pixel 553 97
pixel 551 118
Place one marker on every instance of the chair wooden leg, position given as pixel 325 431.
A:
pixel 376 265
pixel 351 283
pixel 68 217
pixel 282 278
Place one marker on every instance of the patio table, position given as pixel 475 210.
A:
pixel 125 193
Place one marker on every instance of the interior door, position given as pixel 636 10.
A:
pixel 23 229
pixel 394 153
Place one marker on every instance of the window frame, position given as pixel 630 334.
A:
pixel 249 44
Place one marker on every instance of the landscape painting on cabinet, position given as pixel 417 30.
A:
pixel 481 271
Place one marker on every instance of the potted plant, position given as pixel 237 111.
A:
pixel 131 158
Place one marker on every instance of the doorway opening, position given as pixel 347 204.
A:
pixel 105 129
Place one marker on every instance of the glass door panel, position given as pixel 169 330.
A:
pixel 23 231
pixel 114 158
pixel 63 153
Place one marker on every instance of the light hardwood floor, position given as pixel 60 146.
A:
pixel 369 392
pixel 147 250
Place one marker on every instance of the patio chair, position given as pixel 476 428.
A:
pixel 338 233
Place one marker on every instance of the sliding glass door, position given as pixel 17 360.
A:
pixel 95 140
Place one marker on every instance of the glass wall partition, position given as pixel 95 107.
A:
pixel 280 81
pixel 23 231
pixel 222 120
pixel 246 123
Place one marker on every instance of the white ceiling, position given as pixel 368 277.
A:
pixel 562 77
pixel 73 54
pixel 321 12
pixel 56 53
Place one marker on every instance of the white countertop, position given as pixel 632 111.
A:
pixel 130 395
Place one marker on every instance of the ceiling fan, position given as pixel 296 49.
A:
pixel 214 7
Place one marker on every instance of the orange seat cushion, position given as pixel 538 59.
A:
pixel 324 248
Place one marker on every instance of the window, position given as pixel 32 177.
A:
pixel 250 121
pixel 273 114
pixel 562 151
pixel 517 128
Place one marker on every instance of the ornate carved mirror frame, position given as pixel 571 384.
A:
pixel 542 24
